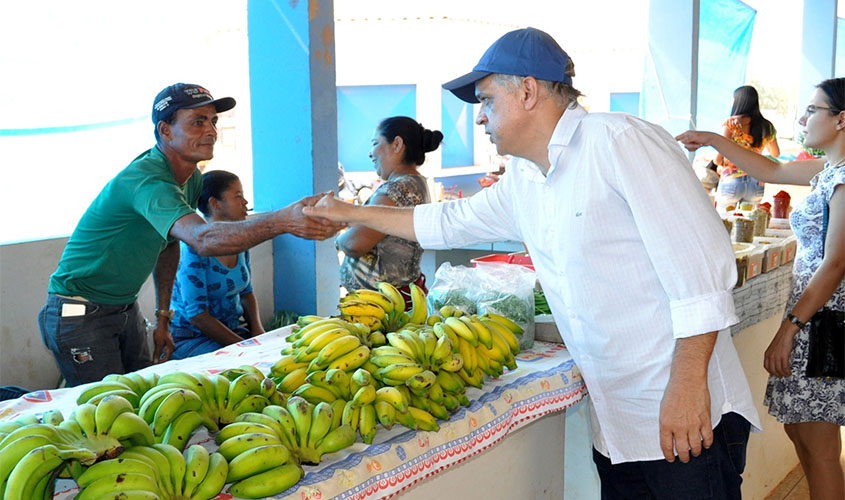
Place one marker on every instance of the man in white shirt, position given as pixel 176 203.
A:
pixel 635 263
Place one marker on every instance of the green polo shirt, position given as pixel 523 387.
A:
pixel 116 244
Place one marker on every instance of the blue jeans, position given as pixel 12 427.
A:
pixel 99 340
pixel 713 475
pixel 738 190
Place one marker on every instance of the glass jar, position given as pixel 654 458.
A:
pixel 744 230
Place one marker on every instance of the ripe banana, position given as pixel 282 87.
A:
pixel 372 296
pixel 339 379
pixel 361 308
pixel 285 365
pixel 351 415
pixel 314 394
pixel 442 351
pixel 453 363
pixel 393 294
pixel 351 360
pixel 394 397
pixel 386 413
pixel 425 420
pixel 419 308
pixel 400 371
pixel 485 337
pixel 506 322
pixel 402 344
pixel 462 330
pixel 367 423
pixel 365 395
pixel 335 349
pixel 292 380
pixel 443 330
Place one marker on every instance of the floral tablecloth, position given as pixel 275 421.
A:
pixel 546 381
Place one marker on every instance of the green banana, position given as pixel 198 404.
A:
pixel 180 430
pixel 177 465
pixel 30 470
pixel 241 443
pixel 84 416
pixel 337 439
pixel 256 461
pixel 386 413
pixel 261 418
pixel 112 486
pixel 162 465
pixel 107 410
pixel 321 423
pixel 281 415
pixel 237 428
pixel 301 411
pixel 52 417
pixel 174 404
pixel 214 480
pixel 131 427
pixel 367 423
pixel 268 483
pixel 113 467
pixel 100 387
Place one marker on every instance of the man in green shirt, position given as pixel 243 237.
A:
pixel 91 321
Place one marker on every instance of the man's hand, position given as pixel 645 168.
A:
pixel 330 207
pixel 305 225
pixel 163 343
pixel 685 419
pixel 693 139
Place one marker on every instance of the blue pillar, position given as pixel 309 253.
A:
pixel 671 70
pixel 818 43
pixel 294 137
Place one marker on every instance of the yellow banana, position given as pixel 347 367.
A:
pixel 374 297
pixel 365 395
pixel 385 413
pixel 293 380
pixel 314 394
pixel 314 330
pixel 425 420
pixel 453 363
pixel 485 337
pixel 393 294
pixel 507 335
pixel 361 308
pixel 351 360
pixel 462 330
pixel 419 308
pixel 506 322
pixel 389 359
pixel 320 379
pixel 441 352
pixel 400 371
pixel 469 354
pixel 351 415
pixel 325 338
pixel 421 381
pixel 402 344
pixel 394 397
pixel 443 330
pixel 339 379
pixel 335 349
pixel 285 365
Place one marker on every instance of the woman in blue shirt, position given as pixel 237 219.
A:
pixel 211 294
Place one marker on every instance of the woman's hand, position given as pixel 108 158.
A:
pixel 329 207
pixel 776 359
pixel 694 139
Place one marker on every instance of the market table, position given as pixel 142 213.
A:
pixel 546 381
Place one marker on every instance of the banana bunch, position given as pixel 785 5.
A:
pixel 32 454
pixel 157 472
pixel 424 347
pixel 325 344
pixel 130 386
pixel 307 431
pixel 382 310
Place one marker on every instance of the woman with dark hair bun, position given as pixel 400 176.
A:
pixel 811 407
pixel 399 145
pixel 746 127
pixel 212 294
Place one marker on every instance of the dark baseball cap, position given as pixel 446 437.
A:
pixel 186 96
pixel 523 52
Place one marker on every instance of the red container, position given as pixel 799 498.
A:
pixel 780 209
pixel 519 260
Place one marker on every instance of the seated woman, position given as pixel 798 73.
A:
pixel 211 294
pixel 399 145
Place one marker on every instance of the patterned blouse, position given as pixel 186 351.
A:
pixel 204 284
pixel 393 259
pixel 798 398
pixel 734 125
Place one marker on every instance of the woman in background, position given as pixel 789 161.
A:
pixel 399 145
pixel 747 128
pixel 211 294
pixel 812 409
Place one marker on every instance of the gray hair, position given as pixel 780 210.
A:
pixel 564 93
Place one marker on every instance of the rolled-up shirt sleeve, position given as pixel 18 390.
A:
pixel 485 217
pixel 683 235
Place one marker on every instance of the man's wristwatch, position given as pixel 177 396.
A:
pixel 164 314
pixel 794 320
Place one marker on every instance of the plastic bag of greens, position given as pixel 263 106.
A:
pixel 508 290
pixel 453 286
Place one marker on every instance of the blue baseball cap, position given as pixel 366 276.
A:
pixel 186 96
pixel 524 52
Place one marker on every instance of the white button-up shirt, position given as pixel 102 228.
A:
pixel 631 256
